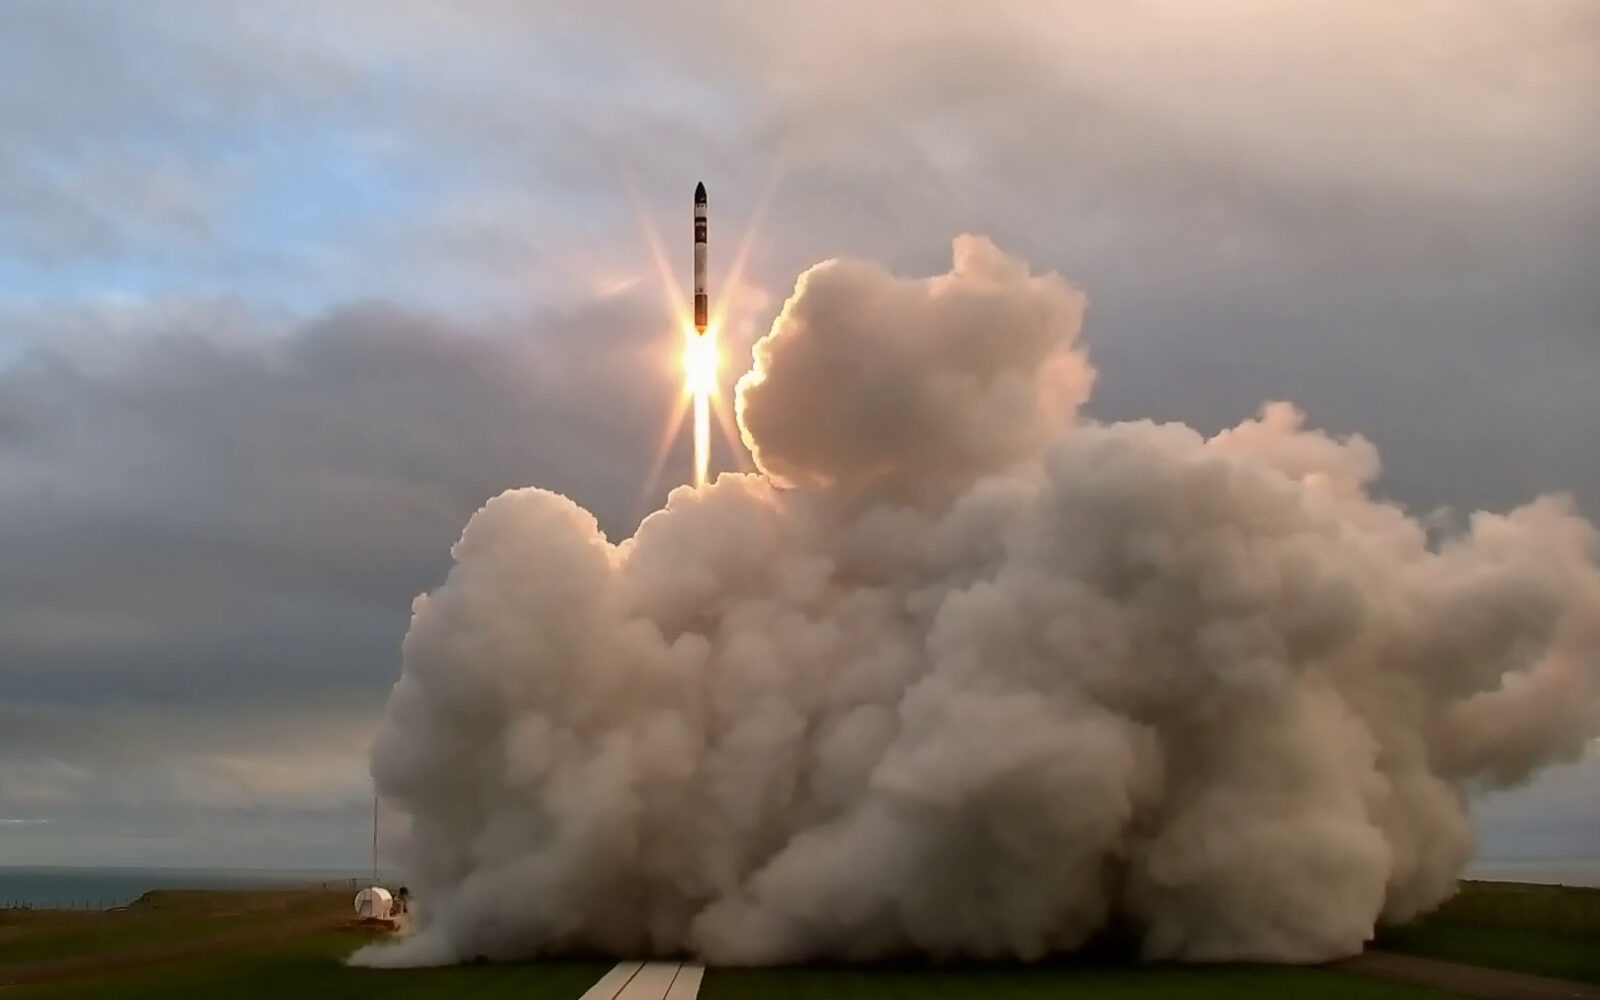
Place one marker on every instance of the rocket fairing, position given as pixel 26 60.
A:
pixel 701 310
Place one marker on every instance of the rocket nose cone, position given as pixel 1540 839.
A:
pixel 700 193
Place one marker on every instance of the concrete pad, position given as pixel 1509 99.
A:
pixel 651 982
pixel 687 985
pixel 612 982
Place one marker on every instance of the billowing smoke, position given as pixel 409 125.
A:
pixel 966 675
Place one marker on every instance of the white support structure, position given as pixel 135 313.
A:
pixel 648 981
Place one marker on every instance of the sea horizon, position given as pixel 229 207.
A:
pixel 109 886
pixel 1552 871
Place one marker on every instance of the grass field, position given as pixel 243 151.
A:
pixel 235 944
pixel 287 944
pixel 1050 982
pixel 158 919
pixel 1546 930
pixel 310 968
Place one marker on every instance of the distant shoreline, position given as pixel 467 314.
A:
pixel 1583 872
pixel 103 887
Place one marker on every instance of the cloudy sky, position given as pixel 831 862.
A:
pixel 287 291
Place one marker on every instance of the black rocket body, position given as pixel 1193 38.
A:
pixel 701 303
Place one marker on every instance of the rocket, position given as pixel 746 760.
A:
pixel 701 309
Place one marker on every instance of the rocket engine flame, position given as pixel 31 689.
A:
pixel 986 679
pixel 701 358
pixel 700 365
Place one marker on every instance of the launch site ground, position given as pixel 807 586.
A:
pixel 291 943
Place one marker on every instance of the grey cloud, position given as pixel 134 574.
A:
pixel 1129 119
pixel 1390 215
pixel 1558 817
pixel 221 536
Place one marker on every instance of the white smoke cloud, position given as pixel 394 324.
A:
pixel 985 680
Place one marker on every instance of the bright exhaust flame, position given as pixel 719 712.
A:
pixel 700 362
pixel 701 356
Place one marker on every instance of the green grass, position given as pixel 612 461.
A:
pixel 1542 953
pixel 1545 930
pixel 1558 908
pixel 311 968
pixel 289 946
pixel 1062 982
pixel 158 919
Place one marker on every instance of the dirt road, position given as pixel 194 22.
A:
pixel 1465 980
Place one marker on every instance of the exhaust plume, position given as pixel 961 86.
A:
pixel 964 674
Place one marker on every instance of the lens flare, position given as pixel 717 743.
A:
pixel 700 364
pixel 702 353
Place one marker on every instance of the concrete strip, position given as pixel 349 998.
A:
pixel 687 985
pixel 613 982
pixel 651 983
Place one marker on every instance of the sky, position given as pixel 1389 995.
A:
pixel 287 293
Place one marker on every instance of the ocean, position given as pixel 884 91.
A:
pixel 1582 871
pixel 101 888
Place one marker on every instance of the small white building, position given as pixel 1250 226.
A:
pixel 374 903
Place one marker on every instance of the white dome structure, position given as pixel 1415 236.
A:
pixel 374 903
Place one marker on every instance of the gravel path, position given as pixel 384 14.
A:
pixel 1466 980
